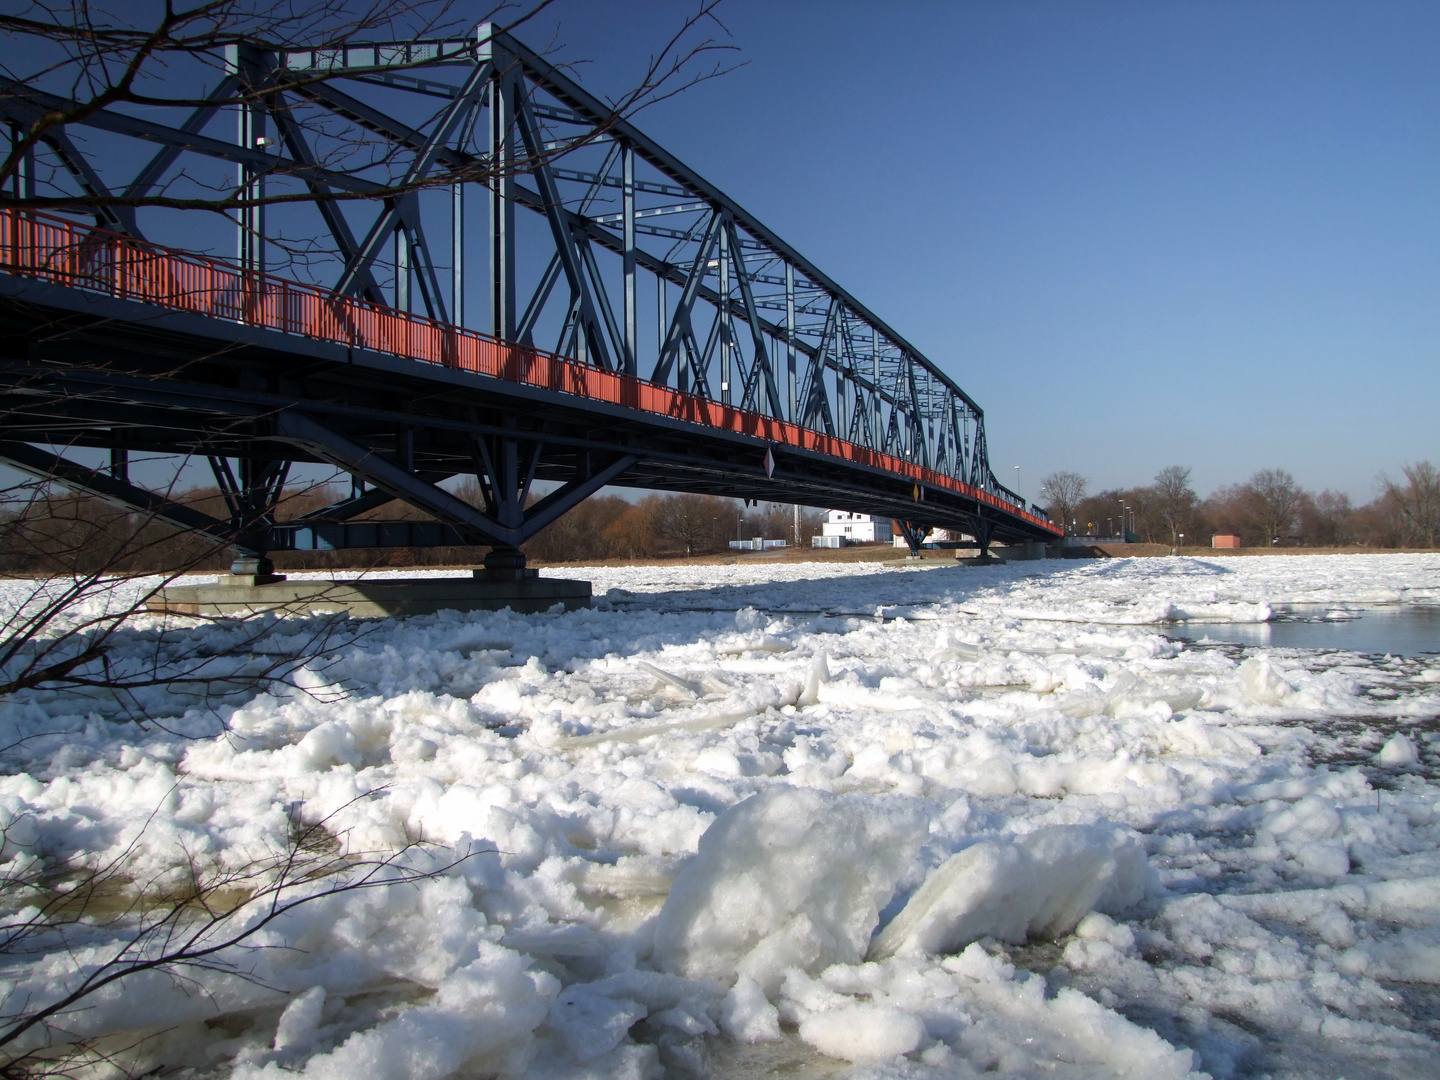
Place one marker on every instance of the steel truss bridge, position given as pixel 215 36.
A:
pixel 690 348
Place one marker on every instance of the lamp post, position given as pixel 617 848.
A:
pixel 1122 519
pixel 1017 488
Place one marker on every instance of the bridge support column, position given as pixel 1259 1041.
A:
pixel 984 530
pixel 505 564
pixel 251 500
pixel 914 536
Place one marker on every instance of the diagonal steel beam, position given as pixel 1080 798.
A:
pixel 16 99
pixel 680 326
pixel 564 238
pixel 299 429
pixel 120 219
pixel 525 330
pixel 419 260
pixel 329 96
pixel 602 298
pixel 149 176
pixel 299 147
pixel 817 404
pixel 572 494
pixel 44 465
pixel 425 158
pixel 761 368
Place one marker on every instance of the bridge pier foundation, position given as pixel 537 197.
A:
pixel 984 533
pixel 505 564
pixel 252 569
pixel 384 597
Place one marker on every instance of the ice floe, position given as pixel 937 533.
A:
pixel 926 821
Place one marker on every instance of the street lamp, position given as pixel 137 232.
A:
pixel 1017 488
pixel 1122 517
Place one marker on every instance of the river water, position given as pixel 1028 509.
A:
pixel 1397 630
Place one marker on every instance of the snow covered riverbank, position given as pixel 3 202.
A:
pixel 1001 823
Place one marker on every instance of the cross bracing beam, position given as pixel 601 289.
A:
pixel 48 467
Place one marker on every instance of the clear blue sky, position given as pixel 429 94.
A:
pixel 1138 233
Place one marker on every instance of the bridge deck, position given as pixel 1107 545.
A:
pixel 84 266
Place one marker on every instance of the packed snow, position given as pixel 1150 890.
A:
pixel 916 821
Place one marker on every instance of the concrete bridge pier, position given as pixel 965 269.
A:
pixel 503 582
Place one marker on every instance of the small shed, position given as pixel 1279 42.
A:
pixel 1224 540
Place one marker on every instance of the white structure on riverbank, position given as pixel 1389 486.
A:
pixel 857 528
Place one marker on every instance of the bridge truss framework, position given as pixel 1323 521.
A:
pixel 773 381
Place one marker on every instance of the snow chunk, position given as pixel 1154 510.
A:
pixel 1398 752
pixel 1041 885
pixel 1263 683
pixel 792 877
pixel 747 1014
pixel 591 1023
pixel 482 1015
pixel 863 1032
pixel 748 620
pixel 300 1018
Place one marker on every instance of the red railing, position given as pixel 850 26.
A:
pixel 54 249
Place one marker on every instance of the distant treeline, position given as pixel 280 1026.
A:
pixel 45 530
pixel 1270 509
pixel 610 527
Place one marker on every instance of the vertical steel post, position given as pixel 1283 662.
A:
pixel 250 134
pixel 723 314
pixel 876 439
pixel 627 158
pixel 457 254
pixel 660 320
pixel 502 201
pixel 25 168
pixel 402 270
pixel 790 342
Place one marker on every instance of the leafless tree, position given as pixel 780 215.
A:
pixel 1416 503
pixel 69 59
pixel 62 61
pixel 632 535
pixel 694 522
pixel 1062 492
pixel 95 925
pixel 1174 500
pixel 1273 503
pixel 1326 519
pixel 70 599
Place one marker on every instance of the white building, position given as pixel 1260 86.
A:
pixel 857 528
pixel 939 536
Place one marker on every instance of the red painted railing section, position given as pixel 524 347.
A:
pixel 67 253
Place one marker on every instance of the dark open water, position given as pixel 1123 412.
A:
pixel 1399 631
